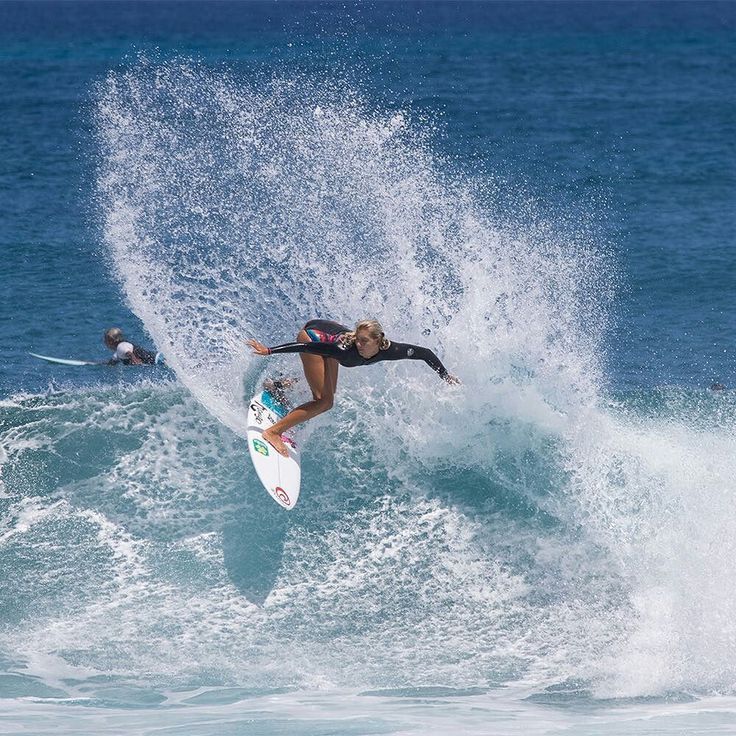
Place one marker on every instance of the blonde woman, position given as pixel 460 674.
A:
pixel 324 347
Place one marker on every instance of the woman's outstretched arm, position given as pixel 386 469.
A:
pixel 404 351
pixel 327 350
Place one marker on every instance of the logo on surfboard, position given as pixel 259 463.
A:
pixel 288 441
pixel 258 410
pixel 282 495
pixel 260 447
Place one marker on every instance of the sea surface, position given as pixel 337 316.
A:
pixel 544 193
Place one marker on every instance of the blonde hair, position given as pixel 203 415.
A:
pixel 372 327
pixel 114 335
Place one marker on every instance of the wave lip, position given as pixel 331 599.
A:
pixel 235 209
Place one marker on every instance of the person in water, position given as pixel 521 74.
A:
pixel 125 352
pixel 325 346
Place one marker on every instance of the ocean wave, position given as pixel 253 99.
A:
pixel 522 527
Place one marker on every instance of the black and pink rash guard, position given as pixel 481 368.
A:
pixel 324 334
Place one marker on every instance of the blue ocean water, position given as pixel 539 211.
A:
pixel 544 193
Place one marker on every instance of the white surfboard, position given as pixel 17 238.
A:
pixel 159 360
pixel 65 361
pixel 281 476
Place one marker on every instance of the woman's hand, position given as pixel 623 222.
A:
pixel 452 380
pixel 258 347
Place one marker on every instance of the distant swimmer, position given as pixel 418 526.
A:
pixel 126 353
pixel 324 347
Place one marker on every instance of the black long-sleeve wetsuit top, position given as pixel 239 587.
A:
pixel 324 334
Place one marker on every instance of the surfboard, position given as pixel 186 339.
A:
pixel 158 360
pixel 64 361
pixel 281 476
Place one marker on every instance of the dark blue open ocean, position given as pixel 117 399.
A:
pixel 542 192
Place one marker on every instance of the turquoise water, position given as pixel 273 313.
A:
pixel 541 192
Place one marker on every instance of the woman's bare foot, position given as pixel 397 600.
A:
pixel 274 439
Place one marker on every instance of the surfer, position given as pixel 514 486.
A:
pixel 325 346
pixel 125 352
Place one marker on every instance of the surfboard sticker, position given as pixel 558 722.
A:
pixel 281 476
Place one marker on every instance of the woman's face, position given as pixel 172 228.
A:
pixel 367 346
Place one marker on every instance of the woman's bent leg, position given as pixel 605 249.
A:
pixel 321 375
